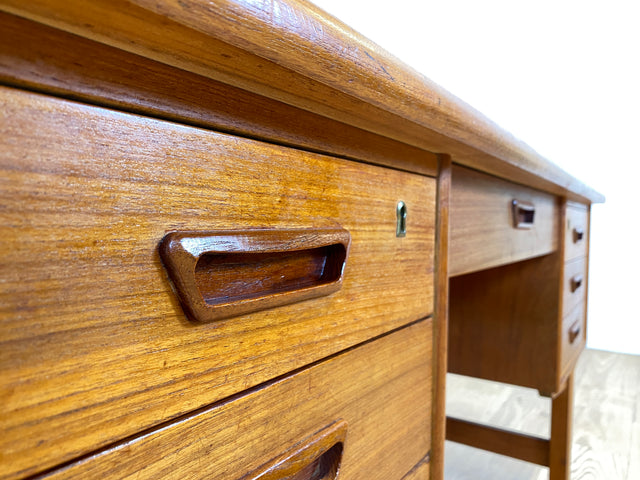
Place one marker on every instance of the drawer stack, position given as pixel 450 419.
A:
pixel 574 285
pixel 519 304
pixel 519 270
pixel 299 253
pixel 522 321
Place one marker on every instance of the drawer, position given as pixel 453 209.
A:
pixel 576 231
pixel 94 343
pixel 421 471
pixel 575 284
pixel 488 230
pixel 573 339
pixel 367 411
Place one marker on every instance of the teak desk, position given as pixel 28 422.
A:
pixel 240 241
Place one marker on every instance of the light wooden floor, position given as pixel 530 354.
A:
pixel 606 429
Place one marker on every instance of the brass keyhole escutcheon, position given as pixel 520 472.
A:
pixel 401 219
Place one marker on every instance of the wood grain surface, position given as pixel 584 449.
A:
pixel 316 457
pixel 380 390
pixel 293 52
pixel 48 60
pixel 441 326
pixel 95 346
pixel 421 471
pixel 482 225
pixel 529 448
pixel 224 274
pixel 606 428
pixel 503 324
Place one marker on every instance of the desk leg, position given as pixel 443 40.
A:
pixel 560 443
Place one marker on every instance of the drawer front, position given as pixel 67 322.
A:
pixel 573 339
pixel 421 471
pixel 374 399
pixel 95 345
pixel 577 231
pixel 488 230
pixel 575 284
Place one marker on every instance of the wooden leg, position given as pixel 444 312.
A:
pixel 560 443
pixel 554 453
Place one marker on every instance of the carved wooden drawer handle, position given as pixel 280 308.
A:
pixel 316 458
pixel 523 214
pixel 222 274
pixel 576 282
pixel 574 331
pixel 578 234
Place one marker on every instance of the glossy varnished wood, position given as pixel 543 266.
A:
pixel 101 370
pixel 95 346
pixel 229 273
pixel 317 457
pixel 378 393
pixel 293 52
pixel 48 60
pixel 483 234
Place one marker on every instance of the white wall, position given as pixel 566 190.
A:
pixel 564 76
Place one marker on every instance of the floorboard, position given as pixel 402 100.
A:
pixel 606 431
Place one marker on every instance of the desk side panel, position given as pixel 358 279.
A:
pixel 503 323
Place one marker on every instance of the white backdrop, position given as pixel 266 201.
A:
pixel 562 75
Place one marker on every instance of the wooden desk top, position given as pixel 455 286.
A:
pixel 291 51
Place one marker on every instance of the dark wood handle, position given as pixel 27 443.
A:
pixel 222 274
pixel 523 214
pixel 316 458
pixel 578 234
pixel 576 282
pixel 574 331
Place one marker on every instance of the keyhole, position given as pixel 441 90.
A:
pixel 401 219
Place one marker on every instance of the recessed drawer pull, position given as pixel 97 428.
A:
pixel 222 274
pixel 523 214
pixel 576 282
pixel 578 234
pixel 316 458
pixel 574 331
